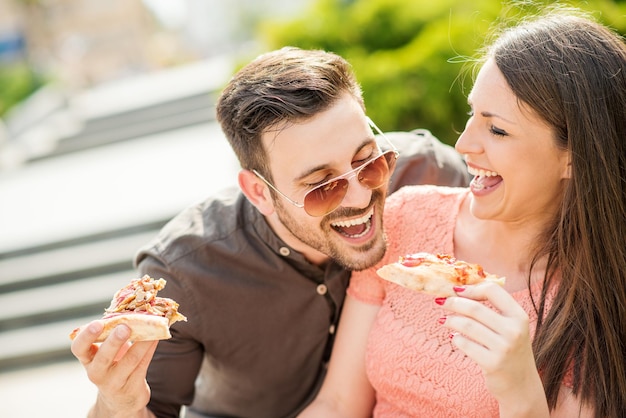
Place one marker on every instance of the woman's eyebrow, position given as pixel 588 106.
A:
pixel 487 114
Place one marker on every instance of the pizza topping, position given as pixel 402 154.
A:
pixel 435 274
pixel 140 297
pixel 462 269
pixel 411 260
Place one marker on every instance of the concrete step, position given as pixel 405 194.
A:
pixel 159 118
pixel 55 265
pixel 140 150
pixel 114 187
pixel 39 343
pixel 36 321
pixel 48 291
pixel 44 304
pixel 122 109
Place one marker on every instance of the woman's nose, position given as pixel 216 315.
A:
pixel 467 143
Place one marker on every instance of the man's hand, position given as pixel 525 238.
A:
pixel 118 368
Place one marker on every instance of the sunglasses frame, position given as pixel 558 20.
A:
pixel 347 175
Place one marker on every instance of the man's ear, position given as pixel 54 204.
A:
pixel 256 191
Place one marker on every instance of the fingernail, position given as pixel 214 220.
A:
pixel 458 289
pixel 440 301
pixel 442 320
pixel 122 332
pixel 95 328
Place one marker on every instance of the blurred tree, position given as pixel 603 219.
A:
pixel 408 54
pixel 17 82
pixel 17 78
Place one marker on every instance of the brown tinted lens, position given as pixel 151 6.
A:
pixel 391 157
pixel 324 199
pixel 376 173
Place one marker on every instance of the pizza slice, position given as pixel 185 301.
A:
pixel 435 274
pixel 137 305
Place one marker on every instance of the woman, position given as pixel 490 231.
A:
pixel 546 142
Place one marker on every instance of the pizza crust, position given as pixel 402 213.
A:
pixel 142 327
pixel 137 306
pixel 435 275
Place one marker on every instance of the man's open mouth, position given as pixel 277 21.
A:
pixel 354 228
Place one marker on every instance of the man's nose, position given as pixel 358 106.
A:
pixel 358 195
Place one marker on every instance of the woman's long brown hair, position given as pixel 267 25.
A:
pixel 572 72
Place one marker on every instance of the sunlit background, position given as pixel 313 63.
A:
pixel 107 130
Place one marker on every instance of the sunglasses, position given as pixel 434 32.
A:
pixel 326 197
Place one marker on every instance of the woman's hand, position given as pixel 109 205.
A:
pixel 497 338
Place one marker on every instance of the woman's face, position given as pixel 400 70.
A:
pixel 519 170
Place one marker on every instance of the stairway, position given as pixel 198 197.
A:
pixel 49 290
pixel 72 219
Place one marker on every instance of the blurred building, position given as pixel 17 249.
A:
pixel 86 42
pixel 75 46
pixel 215 26
pixel 84 45
pixel 12 42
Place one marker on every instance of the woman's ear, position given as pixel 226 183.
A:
pixel 567 173
pixel 256 191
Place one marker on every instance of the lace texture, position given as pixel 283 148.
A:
pixel 411 361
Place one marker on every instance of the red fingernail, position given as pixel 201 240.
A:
pixel 440 301
pixel 442 320
pixel 458 289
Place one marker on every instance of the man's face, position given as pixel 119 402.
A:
pixel 306 154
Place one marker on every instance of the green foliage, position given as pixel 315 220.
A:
pixel 410 55
pixel 17 81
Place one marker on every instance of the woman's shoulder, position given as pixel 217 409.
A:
pixel 424 196
pixel 422 218
pixel 427 189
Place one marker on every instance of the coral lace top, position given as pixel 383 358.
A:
pixel 411 362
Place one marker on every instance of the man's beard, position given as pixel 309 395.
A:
pixel 326 240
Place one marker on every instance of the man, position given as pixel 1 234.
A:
pixel 261 272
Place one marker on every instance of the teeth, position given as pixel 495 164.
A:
pixel 478 186
pixel 353 222
pixel 481 173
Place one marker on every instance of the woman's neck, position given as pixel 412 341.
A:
pixel 503 248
